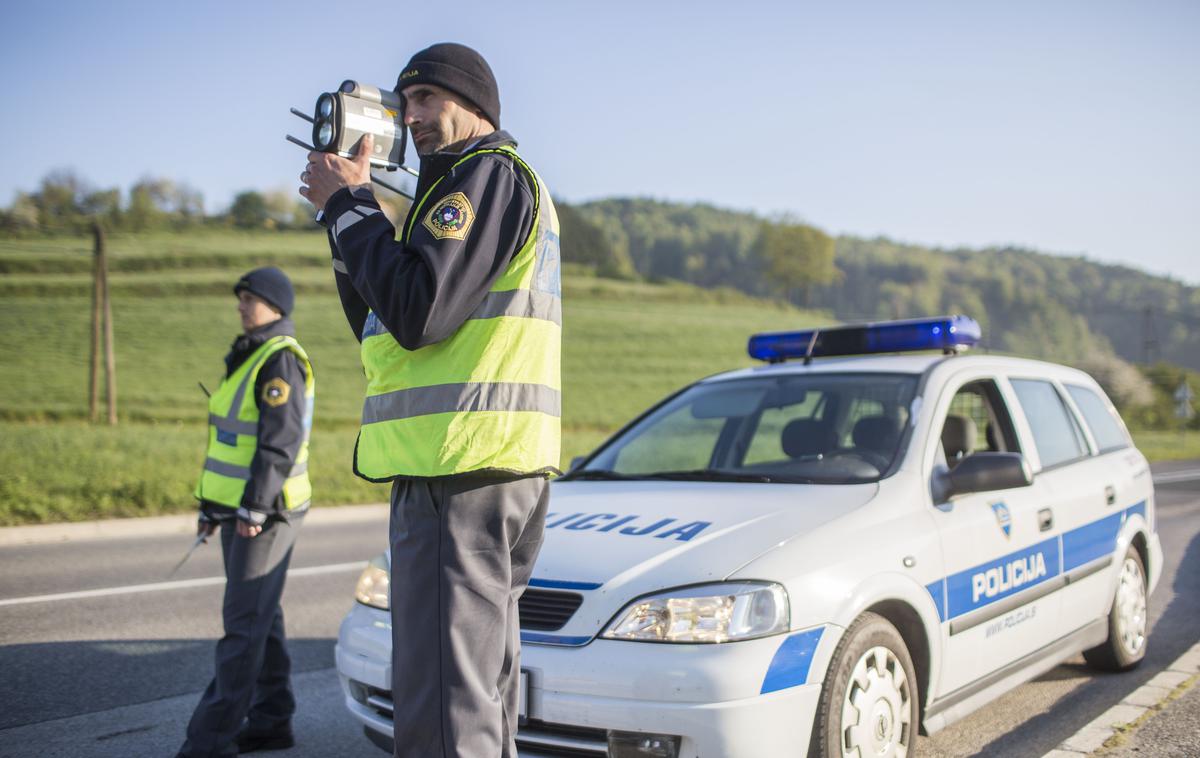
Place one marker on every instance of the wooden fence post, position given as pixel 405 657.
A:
pixel 102 311
pixel 97 305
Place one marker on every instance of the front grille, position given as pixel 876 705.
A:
pixel 376 699
pixel 547 610
pixel 546 739
pixel 562 740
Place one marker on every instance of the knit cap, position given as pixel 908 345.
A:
pixel 459 69
pixel 271 285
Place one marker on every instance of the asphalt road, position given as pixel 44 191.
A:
pixel 118 674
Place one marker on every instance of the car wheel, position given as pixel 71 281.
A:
pixel 869 699
pixel 1127 621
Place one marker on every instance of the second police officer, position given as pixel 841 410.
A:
pixel 255 489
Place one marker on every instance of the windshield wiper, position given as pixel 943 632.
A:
pixel 599 474
pixel 692 475
pixel 709 475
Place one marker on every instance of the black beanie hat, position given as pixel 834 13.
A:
pixel 459 69
pixel 271 285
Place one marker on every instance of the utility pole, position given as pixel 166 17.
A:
pixel 1183 405
pixel 1149 338
pixel 102 315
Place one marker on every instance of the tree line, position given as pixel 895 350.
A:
pixel 1056 307
pixel 657 241
pixel 1137 333
pixel 65 203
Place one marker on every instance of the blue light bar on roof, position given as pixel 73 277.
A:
pixel 946 333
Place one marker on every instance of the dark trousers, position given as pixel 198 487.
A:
pixel 253 670
pixel 462 554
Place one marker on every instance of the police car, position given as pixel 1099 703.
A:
pixel 827 553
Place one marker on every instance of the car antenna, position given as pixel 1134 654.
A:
pixel 812 343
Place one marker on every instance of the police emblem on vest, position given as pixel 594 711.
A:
pixel 450 217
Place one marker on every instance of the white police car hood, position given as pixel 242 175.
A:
pixel 615 541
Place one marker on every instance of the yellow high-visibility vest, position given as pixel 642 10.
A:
pixel 489 397
pixel 233 432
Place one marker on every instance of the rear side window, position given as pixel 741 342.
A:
pixel 1055 433
pixel 1100 418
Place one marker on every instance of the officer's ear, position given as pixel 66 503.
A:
pixel 483 117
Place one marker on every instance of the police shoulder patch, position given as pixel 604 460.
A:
pixel 276 392
pixel 450 217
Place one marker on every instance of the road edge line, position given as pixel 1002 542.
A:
pixel 177 584
pixel 157 526
pixel 1134 709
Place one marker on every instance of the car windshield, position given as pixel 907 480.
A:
pixel 809 428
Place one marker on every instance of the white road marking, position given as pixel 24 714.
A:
pixel 1177 476
pixel 182 584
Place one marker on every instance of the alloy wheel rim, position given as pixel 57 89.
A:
pixel 1131 608
pixel 877 707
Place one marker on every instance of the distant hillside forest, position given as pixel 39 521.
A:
pixel 1028 302
pixel 1102 318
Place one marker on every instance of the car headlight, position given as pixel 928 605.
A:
pixel 721 612
pixel 373 582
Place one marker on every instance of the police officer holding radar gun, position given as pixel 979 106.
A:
pixel 459 318
pixel 255 489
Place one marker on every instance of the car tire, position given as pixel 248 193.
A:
pixel 869 699
pixel 1127 620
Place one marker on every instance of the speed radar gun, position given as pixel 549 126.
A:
pixel 341 118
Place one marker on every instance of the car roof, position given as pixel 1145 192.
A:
pixel 912 363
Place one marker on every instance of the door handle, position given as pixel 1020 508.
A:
pixel 1110 495
pixel 1045 520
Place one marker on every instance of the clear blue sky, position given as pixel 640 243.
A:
pixel 1068 127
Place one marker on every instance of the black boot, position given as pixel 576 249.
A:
pixel 249 740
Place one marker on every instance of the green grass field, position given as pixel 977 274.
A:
pixel 1158 445
pixel 625 345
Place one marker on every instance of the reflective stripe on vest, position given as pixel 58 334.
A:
pixel 243 472
pixel 488 396
pixel 233 432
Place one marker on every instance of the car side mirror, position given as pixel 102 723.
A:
pixel 575 463
pixel 984 472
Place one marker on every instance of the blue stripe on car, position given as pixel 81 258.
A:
pixel 554 584
pixel 963 594
pixel 792 661
pixel 1091 541
pixel 954 596
pixel 937 590
pixel 554 639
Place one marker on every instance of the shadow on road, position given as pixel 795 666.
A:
pixel 1176 630
pixel 53 680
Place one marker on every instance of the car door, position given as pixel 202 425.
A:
pixel 1001 559
pixel 1105 490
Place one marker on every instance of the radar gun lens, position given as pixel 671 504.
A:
pixel 324 135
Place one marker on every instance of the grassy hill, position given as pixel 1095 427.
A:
pixel 1067 309
pixel 626 344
